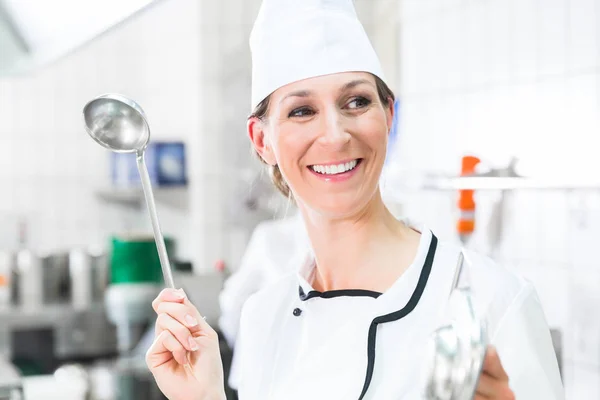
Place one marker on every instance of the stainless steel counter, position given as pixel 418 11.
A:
pixel 17 317
pixel 76 332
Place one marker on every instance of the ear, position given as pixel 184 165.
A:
pixel 389 113
pixel 256 133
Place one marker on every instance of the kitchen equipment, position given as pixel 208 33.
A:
pixel 119 124
pixel 69 382
pixel 466 202
pixel 40 339
pixel 457 349
pixel 100 272
pixel 56 279
pixel 76 378
pixel 135 281
pixel 129 308
pixel 81 273
pixel 10 381
pixel 6 277
pixel 134 380
pixel 30 281
pixel 134 259
pixel 165 162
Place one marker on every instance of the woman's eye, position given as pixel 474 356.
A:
pixel 358 102
pixel 301 112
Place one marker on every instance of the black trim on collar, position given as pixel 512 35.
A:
pixel 336 293
pixel 396 315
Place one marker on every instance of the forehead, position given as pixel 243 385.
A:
pixel 325 83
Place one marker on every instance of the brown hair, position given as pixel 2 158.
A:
pixel 262 109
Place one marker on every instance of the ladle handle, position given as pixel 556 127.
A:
pixel 458 271
pixel 158 237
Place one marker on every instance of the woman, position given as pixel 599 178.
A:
pixel 353 321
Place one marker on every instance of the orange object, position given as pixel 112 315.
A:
pixel 220 265
pixel 469 163
pixel 3 280
pixel 466 200
pixel 465 225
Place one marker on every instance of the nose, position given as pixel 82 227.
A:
pixel 333 130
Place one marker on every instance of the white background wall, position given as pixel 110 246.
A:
pixel 502 78
pixel 50 167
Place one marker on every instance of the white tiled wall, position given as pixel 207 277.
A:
pixel 502 78
pixel 49 167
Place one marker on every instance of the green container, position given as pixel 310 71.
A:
pixel 135 260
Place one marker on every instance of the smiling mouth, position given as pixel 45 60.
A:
pixel 335 169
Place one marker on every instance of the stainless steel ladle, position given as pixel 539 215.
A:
pixel 119 124
pixel 457 349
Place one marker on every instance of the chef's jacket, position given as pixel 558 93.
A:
pixel 296 343
pixel 268 257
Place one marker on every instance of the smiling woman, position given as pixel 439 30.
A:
pixel 313 125
pixel 352 321
pixel 385 94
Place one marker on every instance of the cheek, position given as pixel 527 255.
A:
pixel 374 132
pixel 290 143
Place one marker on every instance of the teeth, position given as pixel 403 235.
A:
pixel 335 169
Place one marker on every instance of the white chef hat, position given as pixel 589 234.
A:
pixel 298 39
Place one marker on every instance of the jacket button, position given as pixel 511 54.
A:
pixel 297 312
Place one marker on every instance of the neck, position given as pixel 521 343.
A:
pixel 367 250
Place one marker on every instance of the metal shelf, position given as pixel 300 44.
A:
pixel 176 196
pixel 20 317
pixel 506 178
pixel 507 183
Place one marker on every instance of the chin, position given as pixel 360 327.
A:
pixel 340 205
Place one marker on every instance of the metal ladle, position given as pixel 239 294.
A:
pixel 119 124
pixel 457 350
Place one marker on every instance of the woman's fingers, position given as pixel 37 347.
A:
pixel 186 315
pixel 175 303
pixel 493 366
pixel 491 388
pixel 493 382
pixel 168 295
pixel 488 386
pixel 164 348
pixel 178 316
pixel 165 322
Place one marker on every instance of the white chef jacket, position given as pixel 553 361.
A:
pixel 273 246
pixel 296 343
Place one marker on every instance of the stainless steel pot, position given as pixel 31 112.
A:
pixel 49 279
pixel 56 280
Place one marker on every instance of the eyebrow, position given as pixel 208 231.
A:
pixel 355 83
pixel 347 86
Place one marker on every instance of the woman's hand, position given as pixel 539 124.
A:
pixel 184 358
pixel 493 383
